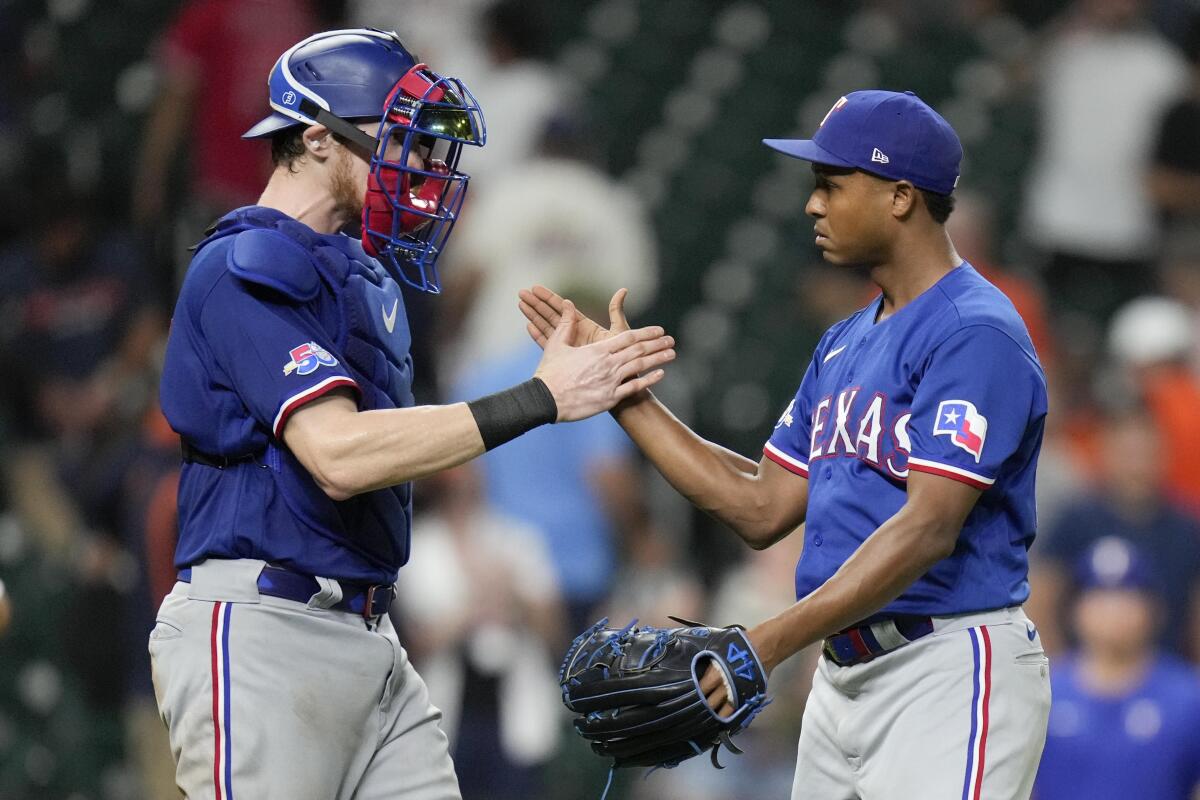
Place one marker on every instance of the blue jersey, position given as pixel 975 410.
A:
pixel 1144 743
pixel 272 316
pixel 948 385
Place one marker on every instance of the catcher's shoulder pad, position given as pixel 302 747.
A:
pixel 269 258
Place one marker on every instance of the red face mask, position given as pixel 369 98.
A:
pixel 389 188
pixel 409 211
pixel 388 183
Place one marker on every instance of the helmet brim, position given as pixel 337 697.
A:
pixel 268 126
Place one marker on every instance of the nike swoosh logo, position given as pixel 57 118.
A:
pixel 389 320
pixel 833 353
pixel 1030 632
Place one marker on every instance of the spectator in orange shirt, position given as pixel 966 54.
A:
pixel 1153 339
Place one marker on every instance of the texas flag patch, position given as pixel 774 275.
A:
pixel 965 426
pixel 307 357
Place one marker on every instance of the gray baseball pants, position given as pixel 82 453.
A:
pixel 957 715
pixel 266 698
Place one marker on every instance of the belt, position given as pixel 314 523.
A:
pixel 193 456
pixel 366 600
pixel 862 643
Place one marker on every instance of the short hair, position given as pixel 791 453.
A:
pixel 938 205
pixel 287 146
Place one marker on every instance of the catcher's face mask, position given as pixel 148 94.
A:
pixel 409 211
pixel 334 77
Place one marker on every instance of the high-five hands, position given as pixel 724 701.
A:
pixel 587 368
pixel 544 308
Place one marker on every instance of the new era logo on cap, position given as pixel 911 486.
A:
pixel 878 157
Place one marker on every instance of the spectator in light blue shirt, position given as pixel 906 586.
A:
pixel 577 484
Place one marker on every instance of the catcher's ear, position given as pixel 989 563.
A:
pixel 317 141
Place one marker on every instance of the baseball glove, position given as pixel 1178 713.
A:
pixel 637 691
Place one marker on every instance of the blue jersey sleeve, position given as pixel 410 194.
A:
pixel 791 440
pixel 275 353
pixel 974 406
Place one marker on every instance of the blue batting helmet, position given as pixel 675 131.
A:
pixel 334 77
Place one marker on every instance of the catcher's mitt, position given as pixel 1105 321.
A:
pixel 637 691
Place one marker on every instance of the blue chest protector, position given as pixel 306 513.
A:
pixel 271 316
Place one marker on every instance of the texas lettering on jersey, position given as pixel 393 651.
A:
pixel 867 432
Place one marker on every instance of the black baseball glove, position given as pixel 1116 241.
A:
pixel 637 691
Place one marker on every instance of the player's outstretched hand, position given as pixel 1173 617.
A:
pixel 543 308
pixel 590 378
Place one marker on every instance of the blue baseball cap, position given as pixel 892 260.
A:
pixel 1115 563
pixel 894 135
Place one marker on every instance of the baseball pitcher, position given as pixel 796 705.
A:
pixel 909 454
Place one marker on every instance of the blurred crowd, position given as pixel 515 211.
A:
pixel 1089 221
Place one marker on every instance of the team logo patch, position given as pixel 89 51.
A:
pixel 965 426
pixel 307 357
pixel 836 106
pixel 787 419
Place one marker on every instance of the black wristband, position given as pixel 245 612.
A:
pixel 506 415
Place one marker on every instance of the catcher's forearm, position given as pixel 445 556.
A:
pixel 349 452
pixel 902 549
pixel 718 481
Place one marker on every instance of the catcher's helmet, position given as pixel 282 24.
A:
pixel 337 76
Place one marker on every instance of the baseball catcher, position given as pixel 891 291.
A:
pixel 639 697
